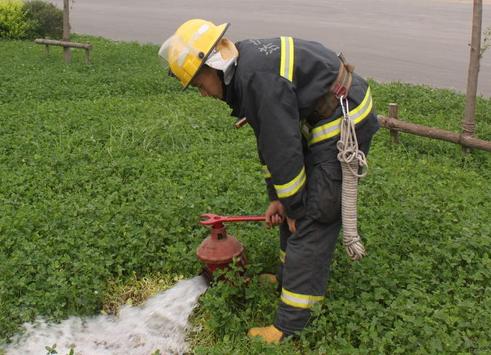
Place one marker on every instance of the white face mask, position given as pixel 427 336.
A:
pixel 216 61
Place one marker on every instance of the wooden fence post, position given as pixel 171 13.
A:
pixel 66 30
pixel 87 56
pixel 394 113
pixel 469 122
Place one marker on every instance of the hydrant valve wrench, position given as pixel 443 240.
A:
pixel 216 221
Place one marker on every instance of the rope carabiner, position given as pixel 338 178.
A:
pixel 348 143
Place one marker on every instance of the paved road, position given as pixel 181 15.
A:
pixel 416 41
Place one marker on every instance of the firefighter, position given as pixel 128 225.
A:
pixel 288 91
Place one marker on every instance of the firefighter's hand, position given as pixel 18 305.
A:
pixel 274 214
pixel 291 225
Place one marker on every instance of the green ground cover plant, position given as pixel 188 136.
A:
pixel 106 167
pixel 13 20
pixel 30 19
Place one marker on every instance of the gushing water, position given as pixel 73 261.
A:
pixel 159 324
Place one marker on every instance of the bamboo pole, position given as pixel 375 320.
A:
pixel 436 133
pixel 53 42
pixel 469 121
pixel 66 30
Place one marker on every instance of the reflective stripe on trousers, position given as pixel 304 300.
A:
pixel 299 300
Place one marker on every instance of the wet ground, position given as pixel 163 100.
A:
pixel 416 41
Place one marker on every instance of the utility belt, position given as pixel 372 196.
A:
pixel 327 104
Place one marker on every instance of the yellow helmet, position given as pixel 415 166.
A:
pixel 188 49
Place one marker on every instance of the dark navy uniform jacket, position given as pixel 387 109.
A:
pixel 276 85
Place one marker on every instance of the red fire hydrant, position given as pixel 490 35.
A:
pixel 219 249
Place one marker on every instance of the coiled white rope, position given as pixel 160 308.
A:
pixel 352 162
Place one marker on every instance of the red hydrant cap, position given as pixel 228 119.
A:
pixel 218 251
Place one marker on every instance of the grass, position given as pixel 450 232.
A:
pixel 106 168
pixel 134 291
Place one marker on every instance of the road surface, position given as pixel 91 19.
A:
pixel 415 41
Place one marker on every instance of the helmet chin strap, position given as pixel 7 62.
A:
pixel 222 79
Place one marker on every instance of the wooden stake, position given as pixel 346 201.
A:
pixel 469 122
pixel 394 113
pixel 87 56
pixel 66 30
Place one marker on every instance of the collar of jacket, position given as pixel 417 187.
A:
pixel 230 97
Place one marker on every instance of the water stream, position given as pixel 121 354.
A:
pixel 159 324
